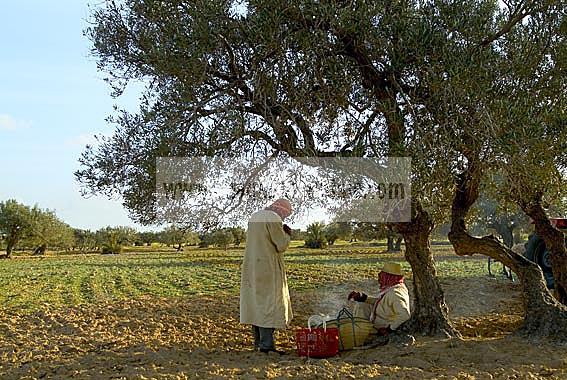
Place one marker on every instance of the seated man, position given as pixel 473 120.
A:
pixel 391 307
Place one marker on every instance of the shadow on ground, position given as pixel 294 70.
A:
pixel 200 337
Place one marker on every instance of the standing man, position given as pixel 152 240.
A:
pixel 264 294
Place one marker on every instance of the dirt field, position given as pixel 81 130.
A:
pixel 200 338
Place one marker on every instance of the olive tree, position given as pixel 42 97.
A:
pixel 238 234
pixel 33 227
pixel 222 238
pixel 85 240
pixel 504 217
pixel 259 80
pixel 332 232
pixel 535 179
pixel 15 222
pixel 178 236
pixel 47 230
pixel 500 110
pixel 271 79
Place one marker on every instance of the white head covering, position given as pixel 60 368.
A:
pixel 282 207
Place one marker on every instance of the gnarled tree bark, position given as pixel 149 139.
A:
pixel 544 316
pixel 555 243
pixel 430 314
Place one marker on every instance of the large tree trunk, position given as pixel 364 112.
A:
pixel 394 242
pixel 544 316
pixel 555 243
pixel 398 246
pixel 430 312
pixel 390 243
pixel 9 248
pixel 40 250
pixel 506 231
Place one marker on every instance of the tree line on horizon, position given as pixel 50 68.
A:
pixel 37 230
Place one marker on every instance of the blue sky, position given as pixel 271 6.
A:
pixel 52 101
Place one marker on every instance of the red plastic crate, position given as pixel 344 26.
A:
pixel 560 223
pixel 317 342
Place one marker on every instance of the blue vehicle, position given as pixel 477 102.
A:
pixel 537 252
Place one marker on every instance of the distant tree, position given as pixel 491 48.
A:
pixel 222 238
pixel 205 239
pixel 113 239
pixel 148 237
pixel 378 231
pixel 315 237
pixel 47 230
pixel 100 238
pixel 331 233
pixel 84 240
pixel 499 216
pixel 178 236
pixel 344 230
pixel 33 228
pixel 193 238
pixel 15 223
pixel 367 232
pixel 393 239
pixel 238 234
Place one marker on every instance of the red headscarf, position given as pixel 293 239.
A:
pixel 387 281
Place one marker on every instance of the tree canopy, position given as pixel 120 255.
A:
pixel 33 227
pixel 466 89
pixel 263 79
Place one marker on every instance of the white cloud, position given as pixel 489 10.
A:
pixel 8 123
pixel 82 140
pixel 85 139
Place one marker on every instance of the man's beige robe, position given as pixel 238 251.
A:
pixel 264 294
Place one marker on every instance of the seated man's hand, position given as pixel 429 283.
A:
pixel 287 229
pixel 357 296
pixel 383 331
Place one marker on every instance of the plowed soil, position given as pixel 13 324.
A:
pixel 199 337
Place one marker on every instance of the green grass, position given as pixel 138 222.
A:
pixel 28 283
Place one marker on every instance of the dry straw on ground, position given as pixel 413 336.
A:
pixel 200 337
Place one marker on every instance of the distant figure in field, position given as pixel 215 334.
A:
pixel 391 307
pixel 264 294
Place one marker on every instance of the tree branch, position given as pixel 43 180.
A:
pixel 515 18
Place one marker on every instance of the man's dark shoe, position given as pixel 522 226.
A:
pixel 268 350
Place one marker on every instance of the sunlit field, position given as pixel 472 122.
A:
pixel 167 315
pixel 67 280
